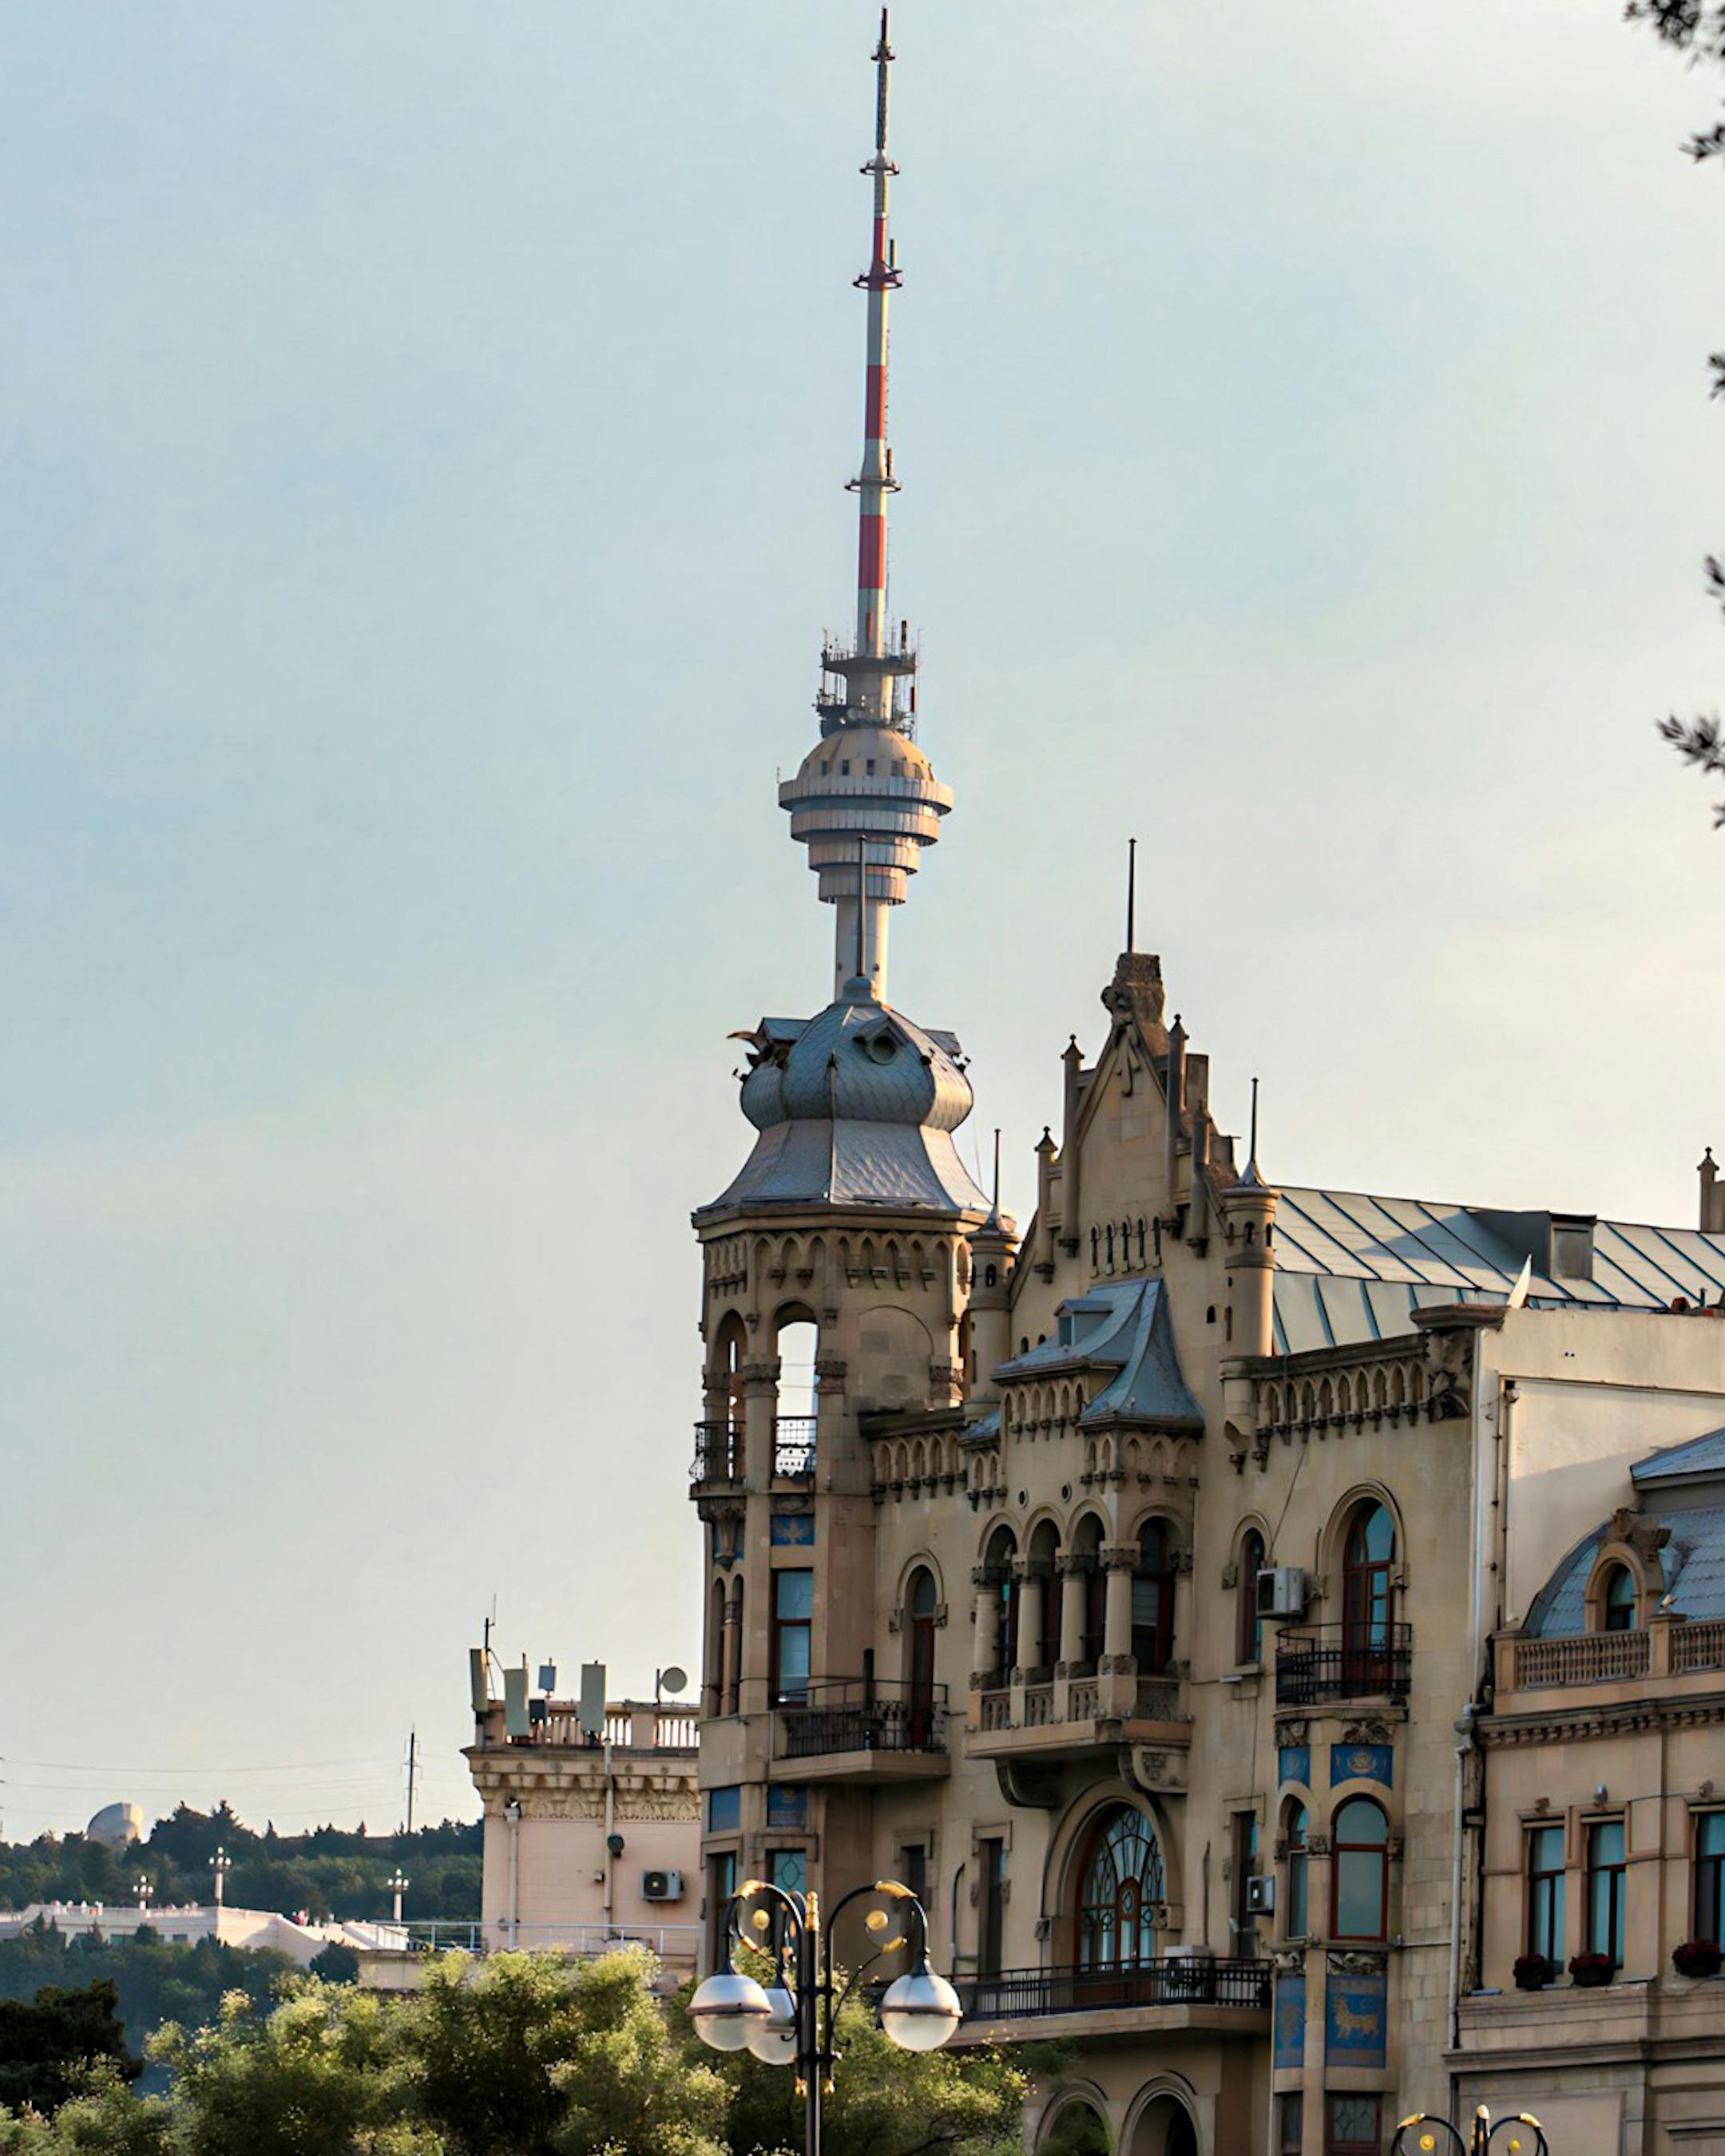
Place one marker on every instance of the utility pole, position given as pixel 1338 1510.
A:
pixel 412 1773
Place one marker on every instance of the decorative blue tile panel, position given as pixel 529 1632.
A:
pixel 793 1530
pixel 1355 2012
pixel 1295 1762
pixel 1290 2021
pixel 1361 1762
pixel 787 1807
pixel 724 1809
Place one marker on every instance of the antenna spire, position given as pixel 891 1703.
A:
pixel 1252 1154
pixel 1132 892
pixel 876 481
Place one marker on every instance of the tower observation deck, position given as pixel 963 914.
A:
pixel 865 800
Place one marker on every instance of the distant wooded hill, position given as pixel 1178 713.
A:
pixel 332 1871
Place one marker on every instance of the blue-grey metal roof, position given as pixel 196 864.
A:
pixel 855 1106
pixel 1694 1559
pixel 1121 1328
pixel 1699 1461
pixel 1353 1267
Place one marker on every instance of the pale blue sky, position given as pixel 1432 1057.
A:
pixel 421 431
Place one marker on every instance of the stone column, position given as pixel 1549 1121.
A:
pixel 732 1654
pixel 1075 1570
pixel 1031 1574
pixel 1119 1672
pixel 760 1404
pixel 985 1649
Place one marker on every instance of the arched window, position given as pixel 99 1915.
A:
pixel 919 1606
pixel 1153 1601
pixel 733 1657
pixel 1087 1543
pixel 1120 1891
pixel 999 1558
pixel 1359 1872
pixel 1367 1599
pixel 1294 1914
pixel 1249 1626
pixel 1046 1551
pixel 1617 1600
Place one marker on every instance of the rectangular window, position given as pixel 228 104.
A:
pixel 991 1906
pixel 1605 1874
pixel 913 1870
pixel 721 1886
pixel 1545 1892
pixel 1243 1849
pixel 1710 1876
pixel 724 1809
pixel 793 1619
pixel 1354 2126
pixel 788 1868
pixel 1291 2111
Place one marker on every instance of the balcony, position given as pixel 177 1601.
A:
pixel 863 1729
pixel 720 1457
pixel 1326 1663
pixel 1663 1649
pixel 794 1448
pixel 1064 1718
pixel 718 1453
pixel 1173 1992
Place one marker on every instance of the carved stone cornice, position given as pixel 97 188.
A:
pixel 1358 1963
pixel 1606 1718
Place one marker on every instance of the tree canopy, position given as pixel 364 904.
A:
pixel 332 1872
pixel 514 2056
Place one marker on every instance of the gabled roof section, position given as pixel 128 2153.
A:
pixel 1702 1460
pixel 1353 1267
pixel 1119 1328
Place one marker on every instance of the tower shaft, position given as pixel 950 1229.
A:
pixel 865 802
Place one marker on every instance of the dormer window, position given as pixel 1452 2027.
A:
pixel 1617 1600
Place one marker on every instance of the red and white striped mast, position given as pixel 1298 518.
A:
pixel 876 481
pixel 866 801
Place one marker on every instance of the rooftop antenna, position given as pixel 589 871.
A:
pixel 1252 1154
pixel 997 1173
pixel 862 909
pixel 1131 891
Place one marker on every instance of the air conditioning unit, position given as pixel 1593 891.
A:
pixel 661 1886
pixel 1282 1591
pixel 1260 1894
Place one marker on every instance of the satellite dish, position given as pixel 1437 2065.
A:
pixel 674 1680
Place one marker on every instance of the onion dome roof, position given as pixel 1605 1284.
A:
pixel 857 1106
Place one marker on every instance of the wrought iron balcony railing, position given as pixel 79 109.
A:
pixel 863 1714
pixel 1343 1661
pixel 1176 1980
pixel 794 1448
pixel 718 1453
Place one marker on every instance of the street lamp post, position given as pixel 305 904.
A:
pixel 793 2021
pixel 397 1883
pixel 1419 2135
pixel 221 1864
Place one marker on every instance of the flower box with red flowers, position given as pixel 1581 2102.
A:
pixel 1697 1957
pixel 1592 1969
pixel 1533 1972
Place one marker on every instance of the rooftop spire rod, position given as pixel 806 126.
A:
pixel 1252 1157
pixel 876 481
pixel 1132 892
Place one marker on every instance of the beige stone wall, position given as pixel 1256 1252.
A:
pixel 1484 1503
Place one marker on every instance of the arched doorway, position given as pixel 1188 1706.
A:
pixel 1164 2129
pixel 1369 1599
pixel 1077 2128
pixel 1119 1905
pixel 921 1606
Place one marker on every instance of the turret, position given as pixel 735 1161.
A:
pixel 1249 1225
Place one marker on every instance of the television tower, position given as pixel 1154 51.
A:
pixel 865 801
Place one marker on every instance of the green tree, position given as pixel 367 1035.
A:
pixel 515 2055
pixel 48 2045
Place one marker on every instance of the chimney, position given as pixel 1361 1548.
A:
pixel 1713 1197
